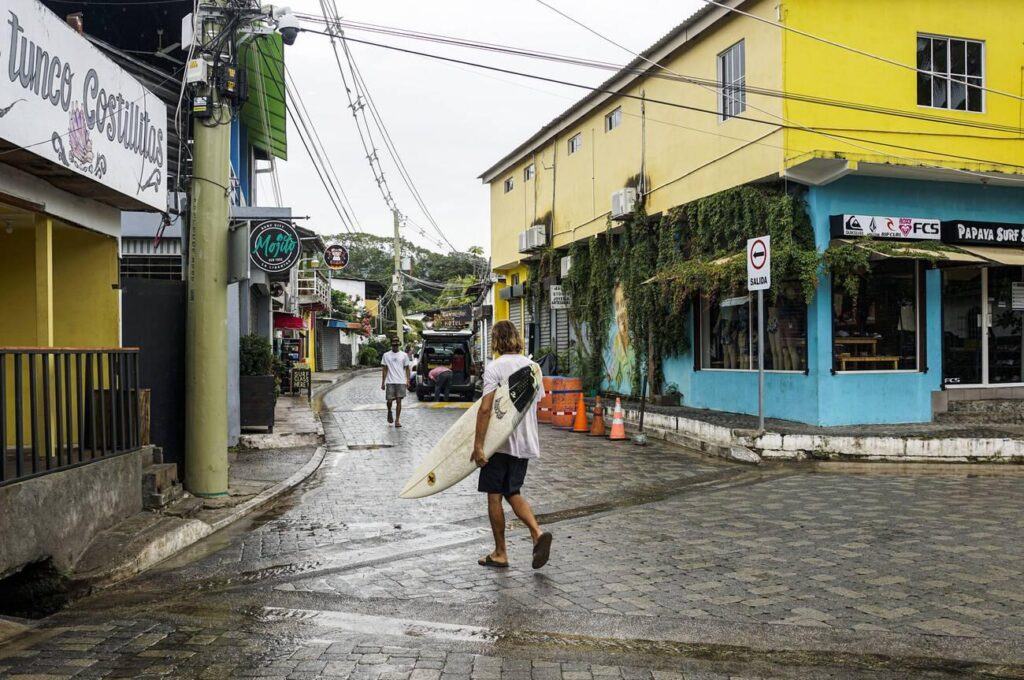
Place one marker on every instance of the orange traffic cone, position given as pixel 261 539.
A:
pixel 580 424
pixel 597 428
pixel 618 424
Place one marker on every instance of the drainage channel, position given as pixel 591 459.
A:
pixel 363 624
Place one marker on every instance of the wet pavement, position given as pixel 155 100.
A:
pixel 666 564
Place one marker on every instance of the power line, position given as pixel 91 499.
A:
pixel 684 78
pixel 626 95
pixel 345 203
pixel 357 105
pixel 389 143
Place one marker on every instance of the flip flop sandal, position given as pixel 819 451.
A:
pixel 391 418
pixel 489 561
pixel 542 550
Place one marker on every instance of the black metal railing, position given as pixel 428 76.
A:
pixel 60 408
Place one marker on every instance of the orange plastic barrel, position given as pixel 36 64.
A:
pixel 544 405
pixel 565 394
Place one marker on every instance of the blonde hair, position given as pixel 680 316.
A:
pixel 505 338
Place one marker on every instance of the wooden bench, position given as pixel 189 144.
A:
pixel 843 360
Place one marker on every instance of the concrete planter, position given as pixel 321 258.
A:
pixel 666 399
pixel 256 401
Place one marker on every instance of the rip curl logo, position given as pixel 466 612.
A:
pixel 499 410
pixel 79 153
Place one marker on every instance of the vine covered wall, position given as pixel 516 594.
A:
pixel 664 262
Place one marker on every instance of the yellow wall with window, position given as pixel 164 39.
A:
pixel 85 308
pixel 501 305
pixel 890 30
pixel 686 154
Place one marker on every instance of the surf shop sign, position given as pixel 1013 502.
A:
pixel 65 101
pixel 274 246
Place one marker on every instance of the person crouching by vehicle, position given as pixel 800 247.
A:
pixel 442 377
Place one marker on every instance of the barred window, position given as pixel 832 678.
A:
pixel 732 80
pixel 950 73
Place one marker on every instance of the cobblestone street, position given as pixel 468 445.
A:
pixel 666 564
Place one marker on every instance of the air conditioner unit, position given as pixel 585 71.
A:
pixel 623 203
pixel 538 236
pixel 566 266
pixel 524 242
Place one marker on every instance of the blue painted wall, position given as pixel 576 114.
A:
pixel 851 398
pixel 847 399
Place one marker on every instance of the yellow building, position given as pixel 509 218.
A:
pixel 905 117
pixel 67 170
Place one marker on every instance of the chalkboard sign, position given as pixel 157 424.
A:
pixel 302 379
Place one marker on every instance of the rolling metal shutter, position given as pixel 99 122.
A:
pixel 545 327
pixel 330 339
pixel 515 313
pixel 561 342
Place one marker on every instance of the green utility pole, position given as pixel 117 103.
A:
pixel 399 320
pixel 206 354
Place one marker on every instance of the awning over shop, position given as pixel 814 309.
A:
pixel 717 262
pixel 945 254
pixel 289 322
pixel 1011 256
pixel 343 325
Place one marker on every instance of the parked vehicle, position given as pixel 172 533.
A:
pixel 445 348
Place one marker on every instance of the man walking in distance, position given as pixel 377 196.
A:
pixel 394 379
pixel 502 477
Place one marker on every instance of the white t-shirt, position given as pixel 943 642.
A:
pixel 396 363
pixel 525 440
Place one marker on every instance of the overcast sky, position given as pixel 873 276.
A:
pixel 448 122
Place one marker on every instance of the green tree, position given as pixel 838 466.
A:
pixel 343 306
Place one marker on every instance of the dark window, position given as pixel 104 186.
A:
pixel 950 73
pixel 575 143
pixel 876 330
pixel 729 331
pixel 151 267
pixel 732 79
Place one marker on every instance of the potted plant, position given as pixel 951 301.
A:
pixel 671 396
pixel 257 382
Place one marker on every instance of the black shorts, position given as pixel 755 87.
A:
pixel 503 474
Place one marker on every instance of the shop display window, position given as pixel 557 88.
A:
pixel 729 331
pixel 878 329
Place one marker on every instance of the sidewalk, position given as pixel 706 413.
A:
pixel 734 436
pixel 265 466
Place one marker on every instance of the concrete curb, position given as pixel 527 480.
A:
pixel 747 446
pixel 185 532
pixel 297 478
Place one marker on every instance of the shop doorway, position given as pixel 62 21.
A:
pixel 983 326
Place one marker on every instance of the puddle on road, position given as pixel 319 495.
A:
pixel 649 650
pixel 370 447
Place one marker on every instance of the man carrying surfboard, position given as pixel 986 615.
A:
pixel 502 476
pixel 394 378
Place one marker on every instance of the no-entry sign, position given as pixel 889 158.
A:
pixel 759 263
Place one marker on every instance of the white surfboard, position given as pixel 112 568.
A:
pixel 448 463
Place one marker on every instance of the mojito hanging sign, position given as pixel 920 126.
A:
pixel 274 246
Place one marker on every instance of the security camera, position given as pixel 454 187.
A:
pixel 287 25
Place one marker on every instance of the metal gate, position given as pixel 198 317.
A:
pixel 153 319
